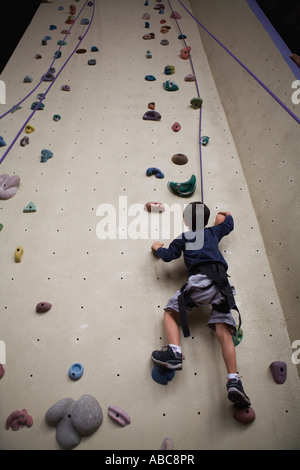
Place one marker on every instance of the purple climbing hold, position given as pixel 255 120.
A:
pixel 279 371
pixel 8 185
pixel 152 116
pixel 176 15
pixel 65 88
pixel 118 415
pixel 43 307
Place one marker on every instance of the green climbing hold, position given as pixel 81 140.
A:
pixel 169 85
pixel 56 117
pixel 38 105
pixel 204 140
pixel 185 189
pixel 238 336
pixel 1 227
pixel 196 103
pixel 30 207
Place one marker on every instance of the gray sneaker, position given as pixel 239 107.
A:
pixel 236 393
pixel 167 358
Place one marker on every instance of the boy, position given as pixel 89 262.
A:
pixel 207 284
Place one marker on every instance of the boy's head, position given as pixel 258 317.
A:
pixel 196 215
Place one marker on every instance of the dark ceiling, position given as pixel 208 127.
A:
pixel 285 17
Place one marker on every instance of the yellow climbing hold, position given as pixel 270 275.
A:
pixel 18 254
pixel 29 129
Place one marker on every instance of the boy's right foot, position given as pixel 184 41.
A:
pixel 236 393
pixel 167 358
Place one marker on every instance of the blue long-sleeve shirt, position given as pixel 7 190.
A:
pixel 209 251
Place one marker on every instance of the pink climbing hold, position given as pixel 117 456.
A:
pixel 279 371
pixel 8 185
pixel 176 15
pixel 244 415
pixel 43 307
pixel 118 415
pixel 16 418
pixel 176 127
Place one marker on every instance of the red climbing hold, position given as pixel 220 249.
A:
pixel 244 415
pixel 16 418
pixel 43 307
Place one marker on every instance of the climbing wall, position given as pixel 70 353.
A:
pixel 87 248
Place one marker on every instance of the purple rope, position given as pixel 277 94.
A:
pixel 244 67
pixel 50 86
pixel 200 111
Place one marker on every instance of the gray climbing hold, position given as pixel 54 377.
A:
pixel 8 185
pixel 31 207
pixel 179 159
pixel 92 62
pixel 74 419
pixel 28 79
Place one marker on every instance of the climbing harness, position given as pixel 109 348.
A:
pixel 219 277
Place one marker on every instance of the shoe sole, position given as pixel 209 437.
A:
pixel 167 365
pixel 238 398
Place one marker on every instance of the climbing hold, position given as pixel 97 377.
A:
pixel 164 42
pixel 204 140
pixel 151 105
pixel 150 78
pixel 72 9
pixel 52 27
pixel 84 21
pixel 48 38
pixel 65 31
pixel 149 54
pixel 118 415
pixel 57 54
pixel 159 6
pixel 41 96
pixel 94 49
pixel 147 24
pixel 185 52
pixel 69 21
pixel 76 371
pixel 24 141
pixel 61 43
pixel 27 79
pixel 45 155
pixel 30 208
pixel 16 418
pixel 146 3
pixel 92 62
pixel 1 227
pixel 146 16
pixel 44 42
pixel 196 103
pixel 155 171
pixel 149 36
pixel 18 254
pixel 182 36
pixel 176 127
pixel 167 444
pixel 169 69
pixel 2 142
pixel 155 207
pixel 190 77
pixel 278 371
pixel 65 88
pixel 185 189
pixel 2 371
pixel 162 375
pixel 165 29
pixel 151 116
pixel 16 108
pixel 179 159
pixel 80 51
pixel 29 129
pixel 74 419
pixel 43 307
pixel 244 415
pixel 56 117
pixel 238 336
pixel 161 11
pixel 37 56
pixel 176 15
pixel 8 185
pixel 48 77
pixel 37 105
pixel 170 86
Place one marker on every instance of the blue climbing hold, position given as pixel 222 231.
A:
pixel 155 171
pixel 76 371
pixel 52 26
pixel 46 154
pixel 2 142
pixel 94 49
pixel 150 78
pixel 162 375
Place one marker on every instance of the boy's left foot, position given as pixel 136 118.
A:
pixel 236 393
